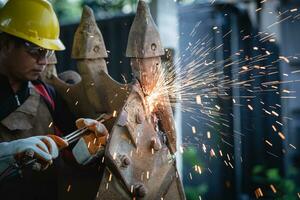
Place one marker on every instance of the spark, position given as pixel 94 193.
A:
pixel 69 188
pixel 258 193
pixel 275 113
pixel 286 91
pixel 51 123
pixel 204 148
pixel 198 169
pixel 278 22
pixel 250 107
pixel 227 33
pixel 281 135
pixel 288 97
pixel 284 58
pixel 296 71
pixel 208 134
pixel 147 175
pixel 294 10
pixel 114 113
pixel 198 99
pixel 190 175
pixel 226 163
pixel 212 153
pixel 292 146
pixel 220 152
pixel 131 188
pixel 194 129
pixel 269 143
pixel 197 82
pixel 273 188
pixel 228 157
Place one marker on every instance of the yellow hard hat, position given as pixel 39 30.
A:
pixel 32 20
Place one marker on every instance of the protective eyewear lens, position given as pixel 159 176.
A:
pixel 37 51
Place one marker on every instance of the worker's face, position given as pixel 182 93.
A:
pixel 25 61
pixel 147 72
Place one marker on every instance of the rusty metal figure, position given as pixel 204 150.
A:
pixel 50 69
pixel 139 155
pixel 93 91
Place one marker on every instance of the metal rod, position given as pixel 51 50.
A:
pixel 79 132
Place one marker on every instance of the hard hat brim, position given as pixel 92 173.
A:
pixel 55 45
pixel 51 44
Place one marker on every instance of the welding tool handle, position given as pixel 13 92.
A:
pixel 72 137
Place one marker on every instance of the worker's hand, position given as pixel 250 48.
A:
pixel 98 132
pixel 43 148
pixel 60 143
pixel 92 144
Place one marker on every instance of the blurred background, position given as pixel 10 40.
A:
pixel 238 125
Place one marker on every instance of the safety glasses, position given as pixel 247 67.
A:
pixel 37 51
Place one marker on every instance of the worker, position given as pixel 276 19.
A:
pixel 33 116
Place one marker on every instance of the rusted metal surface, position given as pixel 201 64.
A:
pixel 140 153
pixel 144 40
pixel 96 92
pixel 139 160
pixel 70 77
pixel 137 156
pixel 88 41
pixel 50 69
pixel 147 67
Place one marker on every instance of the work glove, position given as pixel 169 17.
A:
pixel 91 145
pixel 42 148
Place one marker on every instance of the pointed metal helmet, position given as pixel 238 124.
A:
pixel 88 41
pixel 144 40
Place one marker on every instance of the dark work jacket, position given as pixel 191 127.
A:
pixel 24 114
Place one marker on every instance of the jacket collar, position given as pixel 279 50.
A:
pixel 19 119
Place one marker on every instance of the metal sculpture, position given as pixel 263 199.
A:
pixel 139 155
